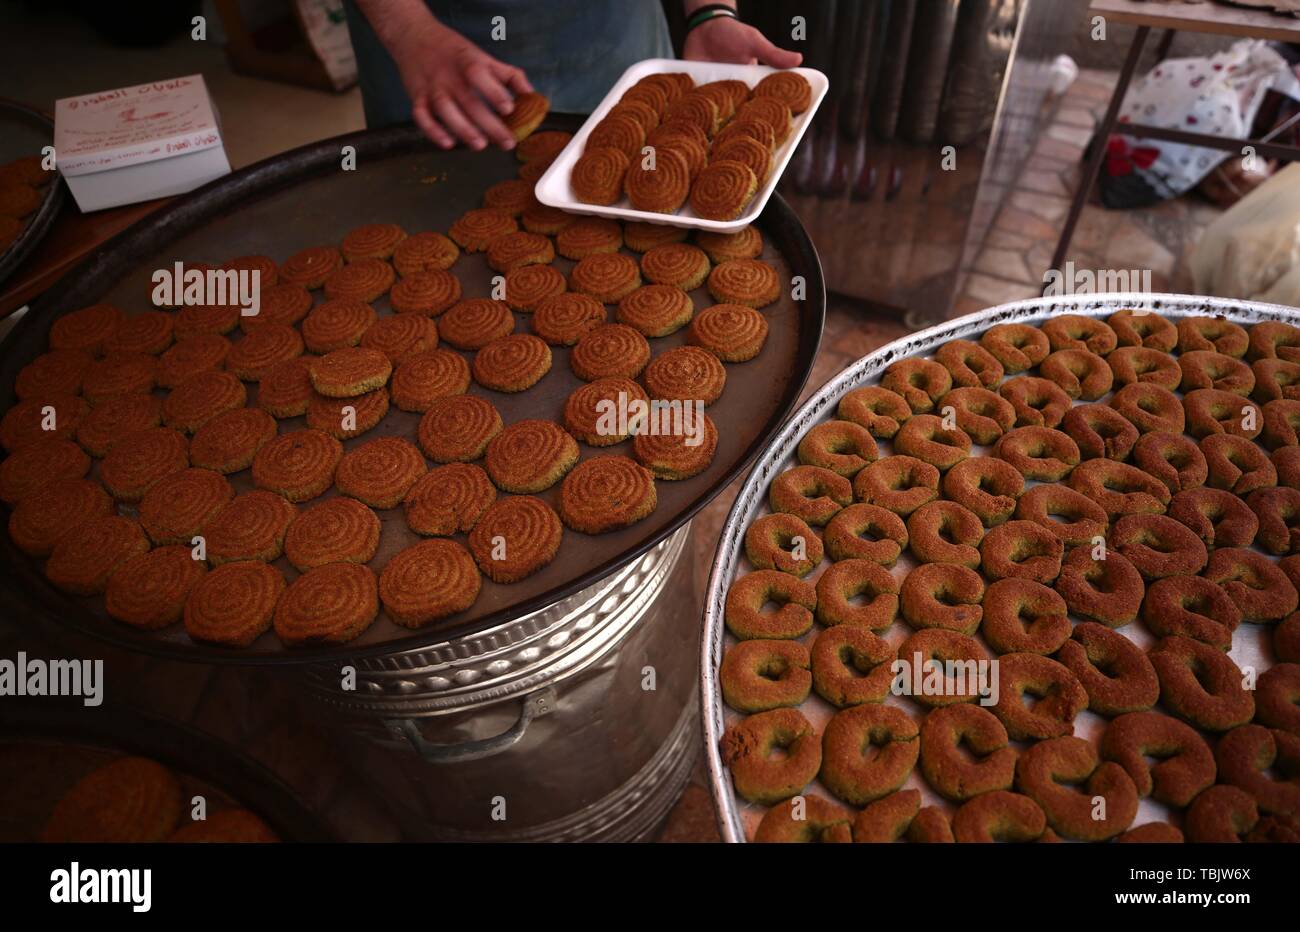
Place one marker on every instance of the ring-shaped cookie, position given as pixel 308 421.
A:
pixel 1024 617
pixel 760 675
pixel 843 447
pixel 969 364
pixel 1119 488
pixel 1236 464
pixel 1038 452
pixel 901 484
pixel 937 653
pixel 945 532
pixel 1131 364
pixel 1185 765
pixel 877 409
pixel 1143 328
pixel 1114 672
pixel 794 598
pixel 1077 332
pixel 1274 379
pixel 1201 684
pixel 865 532
pixel 1249 756
pixel 920 382
pixel 1060 697
pixel 1022 549
pixel 1149 407
pixel 965 752
pixel 1158 546
pixel 783 542
pixel 1174 459
pixel 820 820
pixel 1191 607
pixel 811 493
pixel 1065 776
pixel 1100 432
pixel 1277 697
pixel 1210 411
pixel 1255 583
pixel 850 580
pixel 986 486
pixel 851 666
pixel 1213 334
pixel 1037 402
pixel 1203 369
pixel 1017 346
pixel 868 751
pixel 1220 814
pixel 998 816
pixel 1281 423
pixel 1273 339
pixel 1108 590
pixel 1278 511
pixel 983 414
pixel 759 775
pixel 1081 519
pixel 943 595
pixel 1078 373
pixel 925 437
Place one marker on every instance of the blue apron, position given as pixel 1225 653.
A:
pixel 572 50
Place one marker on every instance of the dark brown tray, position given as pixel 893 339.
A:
pixel 24 131
pixel 302 198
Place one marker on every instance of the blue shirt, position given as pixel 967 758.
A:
pixel 572 50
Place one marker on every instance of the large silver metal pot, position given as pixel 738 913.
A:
pixel 737 819
pixel 574 723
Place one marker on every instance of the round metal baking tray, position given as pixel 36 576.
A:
pixel 106 732
pixel 25 131
pixel 304 198
pixel 737 818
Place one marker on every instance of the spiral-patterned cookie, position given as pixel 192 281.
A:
pixel 515 538
pixel 513 363
pixel 149 590
pixel 620 132
pixel 475 230
pixel 119 417
pixel 129 800
pixel 457 429
pixel 750 282
pixel 336 324
pixel 88 328
pixel 342 418
pixel 201 353
pixel 660 189
pixel 610 350
pixel 723 189
pixel 562 320
pixel 597 177
pixel 119 374
pixel 749 152
pixel 425 377
pixel 58 372
pixel 606 493
pixel 310 267
pixel 424 252
pixel 642 237
pixel 518 249
pixel 589 236
pixel 262 268
pixel 39 463
pixel 181 505
pixel 140 460
pixel 732 332
pixel 746 243
pixel 229 441
pixel 363 280
pixel 428 581
pixel 202 397
pixel 475 322
pixel 252 527
pixel 84 559
pixel 47 514
pixel 233 605
pixel 262 349
pixel 541 218
pixel 678 455
pixel 448 499
pixel 380 472
pixel 298 465
pixel 372 241
pixel 337 530
pixel 543 145
pixel 678 264
pixel 351 371
pixel 639 110
pixel 789 87
pixel 38 419
pixel 330 604
pixel 607 277
pixel 656 310
pixel 401 336
pixel 428 293
pixel 762 133
pixel 280 304
pixel 769 110
pixel 147 332
pixel 530 285
pixel 195 320
pixel 686 373
pixel 591 412
pixel 285 390
pixel 696 108
pixel 530 456
pixel 530 108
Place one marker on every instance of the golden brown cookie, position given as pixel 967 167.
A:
pixel 364 280
pixel 181 505
pixel 686 373
pixel 607 277
pixel 606 493
pixel 342 418
pixel 732 332
pixel 38 419
pixel 597 176
pixel 530 456
pixel 428 293
pixel 129 800
pixel 348 372
pixel 515 537
pixel 200 353
pixel 337 530
pixel 789 87
pixel 660 186
pixel 475 322
pixel 119 417
pixel 656 310
pixel 678 454
pixel 58 372
pixel 609 350
pixel 47 514
pixel 233 605
pixel 562 320
pixel 723 189
pixel 140 460
pixel 280 304
pixel 513 363
pixel 309 268
pixel 589 236
pixel 424 252
pixel 298 465
pixel 149 590
pixel 425 377
pixel 457 429
pixel 678 264
pixel 750 282
pixel 530 285
pixel 83 559
pixel 380 472
pixel 262 349
pixel 228 443
pixel 591 412
pixel 448 499
pixel 475 230
pixel 252 527
pixel 518 249
pixel 401 336
pixel 46 461
pixel 285 390
pixel 88 328
pixel 330 604
pixel 200 398
pixel 429 581
pixel 119 374
pixel 147 332
pixel 529 110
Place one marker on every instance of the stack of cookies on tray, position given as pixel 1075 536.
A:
pixel 668 142
pixel 129 430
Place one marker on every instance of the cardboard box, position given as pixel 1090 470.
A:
pixel 137 143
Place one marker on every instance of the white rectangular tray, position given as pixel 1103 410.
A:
pixel 553 187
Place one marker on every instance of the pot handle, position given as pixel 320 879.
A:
pixel 534 704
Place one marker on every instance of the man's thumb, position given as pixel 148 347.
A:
pixel 769 54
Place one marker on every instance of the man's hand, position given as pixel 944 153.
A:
pixel 726 39
pixel 450 80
